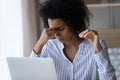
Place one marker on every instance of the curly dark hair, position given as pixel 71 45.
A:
pixel 73 12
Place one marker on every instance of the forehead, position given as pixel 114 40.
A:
pixel 55 23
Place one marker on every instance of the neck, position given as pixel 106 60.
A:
pixel 73 42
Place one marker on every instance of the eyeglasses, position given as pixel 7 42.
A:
pixel 61 28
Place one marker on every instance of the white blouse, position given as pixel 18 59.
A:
pixel 87 64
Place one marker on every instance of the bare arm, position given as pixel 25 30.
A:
pixel 45 36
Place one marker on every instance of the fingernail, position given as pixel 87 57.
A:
pixel 80 35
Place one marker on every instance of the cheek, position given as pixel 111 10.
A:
pixel 67 35
pixel 63 37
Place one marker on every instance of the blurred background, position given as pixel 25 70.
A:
pixel 20 28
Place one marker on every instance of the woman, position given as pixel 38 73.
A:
pixel 78 53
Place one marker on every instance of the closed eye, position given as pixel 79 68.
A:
pixel 61 28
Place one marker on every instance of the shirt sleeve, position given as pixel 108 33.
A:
pixel 105 69
pixel 43 53
pixel 33 54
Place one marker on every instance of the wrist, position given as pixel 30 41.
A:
pixel 98 47
pixel 38 47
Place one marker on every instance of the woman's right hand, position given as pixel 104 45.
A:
pixel 45 36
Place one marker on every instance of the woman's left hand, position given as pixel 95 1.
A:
pixel 92 37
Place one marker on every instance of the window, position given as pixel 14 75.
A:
pixel 11 33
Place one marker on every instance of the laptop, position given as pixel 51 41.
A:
pixel 31 68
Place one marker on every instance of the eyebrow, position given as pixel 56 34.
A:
pixel 60 26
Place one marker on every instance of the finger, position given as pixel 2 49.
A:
pixel 51 32
pixel 93 32
pixel 48 32
pixel 84 32
pixel 88 34
pixel 49 29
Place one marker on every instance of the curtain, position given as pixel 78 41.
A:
pixel 19 28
